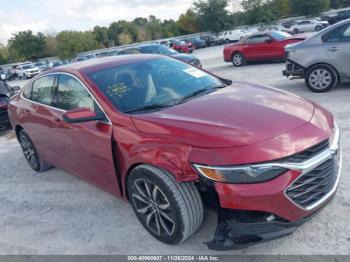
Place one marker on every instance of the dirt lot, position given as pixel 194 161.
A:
pixel 56 213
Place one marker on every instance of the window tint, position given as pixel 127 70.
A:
pixel 279 35
pixel 72 94
pixel 258 39
pixel 27 91
pixel 341 34
pixel 129 51
pixel 166 50
pixel 150 50
pixel 42 90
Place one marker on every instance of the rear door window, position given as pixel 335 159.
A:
pixel 341 34
pixel 258 39
pixel 42 90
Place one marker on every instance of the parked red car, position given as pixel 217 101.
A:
pixel 169 137
pixel 259 47
pixel 183 46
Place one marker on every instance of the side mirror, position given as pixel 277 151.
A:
pixel 82 114
pixel 226 81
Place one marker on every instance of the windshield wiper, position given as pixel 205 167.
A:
pixel 148 107
pixel 198 92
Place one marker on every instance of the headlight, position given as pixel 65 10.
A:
pixel 334 140
pixel 246 174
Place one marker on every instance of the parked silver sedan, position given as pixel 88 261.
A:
pixel 323 60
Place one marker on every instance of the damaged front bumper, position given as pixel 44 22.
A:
pixel 240 229
pixel 294 70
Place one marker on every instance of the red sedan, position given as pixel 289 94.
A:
pixel 169 137
pixel 183 47
pixel 259 47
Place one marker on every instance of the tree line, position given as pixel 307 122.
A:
pixel 204 15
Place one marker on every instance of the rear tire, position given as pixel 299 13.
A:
pixel 156 196
pixel 321 78
pixel 318 28
pixel 30 153
pixel 238 59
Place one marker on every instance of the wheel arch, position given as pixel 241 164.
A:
pixel 323 63
pixel 236 52
pixel 18 129
pixel 134 166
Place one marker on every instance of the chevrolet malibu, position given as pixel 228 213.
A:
pixel 170 138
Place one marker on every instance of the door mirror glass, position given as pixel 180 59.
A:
pixel 82 114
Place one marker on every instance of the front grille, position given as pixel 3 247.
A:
pixel 308 153
pixel 311 187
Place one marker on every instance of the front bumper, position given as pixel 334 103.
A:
pixel 31 74
pixel 234 232
pixel 253 213
pixel 294 70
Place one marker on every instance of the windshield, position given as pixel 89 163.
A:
pixel 279 35
pixel 166 50
pixel 160 81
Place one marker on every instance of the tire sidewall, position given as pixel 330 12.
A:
pixel 23 133
pixel 144 173
pixel 243 59
pixel 332 72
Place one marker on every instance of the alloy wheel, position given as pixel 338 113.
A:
pixel 153 207
pixel 28 151
pixel 237 59
pixel 320 79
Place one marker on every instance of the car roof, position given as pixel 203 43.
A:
pixel 104 62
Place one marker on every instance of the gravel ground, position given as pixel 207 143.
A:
pixel 56 213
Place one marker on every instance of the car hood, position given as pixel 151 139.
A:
pixel 238 115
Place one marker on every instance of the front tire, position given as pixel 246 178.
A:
pixel 321 78
pixel 30 153
pixel 295 31
pixel 170 211
pixel 238 59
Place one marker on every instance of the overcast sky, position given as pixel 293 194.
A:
pixel 56 15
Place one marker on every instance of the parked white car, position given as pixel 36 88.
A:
pixel 27 70
pixel 277 28
pixel 308 26
pixel 232 35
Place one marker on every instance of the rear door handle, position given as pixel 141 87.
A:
pixel 333 49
